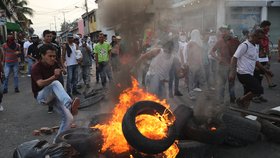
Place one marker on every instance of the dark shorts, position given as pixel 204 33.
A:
pixel 250 84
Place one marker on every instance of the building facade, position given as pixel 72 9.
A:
pixel 239 14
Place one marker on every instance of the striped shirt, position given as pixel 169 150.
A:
pixel 10 55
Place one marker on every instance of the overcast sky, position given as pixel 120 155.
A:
pixel 46 11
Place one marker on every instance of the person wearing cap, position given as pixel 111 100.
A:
pixel 115 53
pixel 33 54
pixel 223 51
pixel 69 58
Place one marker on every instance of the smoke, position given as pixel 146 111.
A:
pixel 137 22
pixel 142 23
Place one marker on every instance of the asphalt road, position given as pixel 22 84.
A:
pixel 22 115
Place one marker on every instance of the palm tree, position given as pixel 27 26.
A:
pixel 3 6
pixel 19 7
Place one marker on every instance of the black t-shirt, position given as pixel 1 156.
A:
pixel 34 51
pixel 41 71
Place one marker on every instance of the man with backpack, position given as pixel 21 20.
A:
pixel 243 63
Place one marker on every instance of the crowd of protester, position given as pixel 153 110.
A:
pixel 203 61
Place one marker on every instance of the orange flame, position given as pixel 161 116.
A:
pixel 153 127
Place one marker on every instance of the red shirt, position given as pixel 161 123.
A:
pixel 225 49
pixel 10 55
pixel 41 71
pixel 264 47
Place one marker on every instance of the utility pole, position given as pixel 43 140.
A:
pixel 88 29
pixel 64 20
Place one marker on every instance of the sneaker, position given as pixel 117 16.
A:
pixel 178 93
pixel 28 75
pixel 272 85
pixel 16 90
pixel 50 110
pixel 1 108
pixel 256 100
pixel 242 105
pixel 232 100
pixel 262 99
pixel 5 91
pixel 76 92
pixel 197 90
pixel 79 86
pixel 75 105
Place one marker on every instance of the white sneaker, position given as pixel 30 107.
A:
pixel 197 90
pixel 1 108
pixel 28 75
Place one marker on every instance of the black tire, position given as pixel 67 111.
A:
pixel 91 101
pixel 271 129
pixel 182 114
pixel 94 92
pixel 193 149
pixel 100 119
pixel 84 140
pixel 240 131
pixel 203 132
pixel 133 135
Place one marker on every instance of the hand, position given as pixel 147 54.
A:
pixel 57 73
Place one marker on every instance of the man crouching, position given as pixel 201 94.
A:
pixel 48 90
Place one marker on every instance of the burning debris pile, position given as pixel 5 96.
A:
pixel 154 127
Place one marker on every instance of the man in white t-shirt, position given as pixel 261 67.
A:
pixel 26 44
pixel 244 61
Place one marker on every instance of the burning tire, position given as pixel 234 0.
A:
pixel 84 140
pixel 213 132
pixel 269 128
pixel 240 131
pixel 194 149
pixel 139 141
pixel 100 119
pixel 91 101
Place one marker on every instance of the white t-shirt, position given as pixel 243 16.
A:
pixel 26 45
pixel 247 56
pixel 161 65
pixel 72 59
pixel 183 48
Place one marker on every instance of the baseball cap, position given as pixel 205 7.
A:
pixel 224 27
pixel 34 36
pixel 70 35
pixel 119 37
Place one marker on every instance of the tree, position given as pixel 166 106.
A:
pixel 21 9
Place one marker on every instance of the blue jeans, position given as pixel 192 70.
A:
pixel 55 95
pixel 86 74
pixel 173 77
pixel 7 70
pixel 72 78
pixel 223 74
pixel 105 71
pixel 30 63
pixel 155 85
